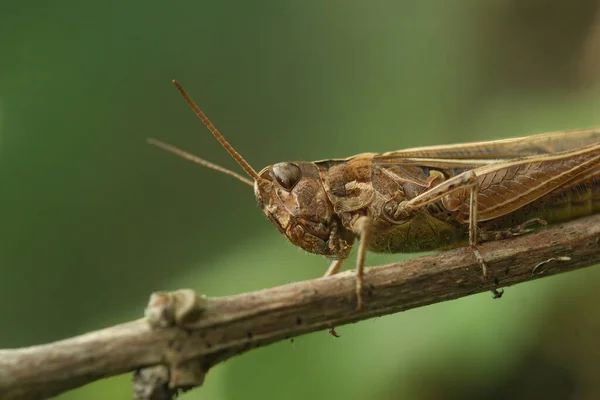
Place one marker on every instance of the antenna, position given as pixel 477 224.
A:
pixel 234 154
pixel 198 160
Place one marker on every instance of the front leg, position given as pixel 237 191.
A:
pixel 334 267
pixel 363 226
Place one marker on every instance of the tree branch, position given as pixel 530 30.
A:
pixel 183 335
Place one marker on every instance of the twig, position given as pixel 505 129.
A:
pixel 188 334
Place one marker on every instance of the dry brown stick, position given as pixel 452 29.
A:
pixel 213 329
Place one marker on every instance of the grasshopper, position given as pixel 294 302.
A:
pixel 423 198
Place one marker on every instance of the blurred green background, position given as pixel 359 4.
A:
pixel 93 219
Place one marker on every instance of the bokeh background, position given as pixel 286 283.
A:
pixel 92 219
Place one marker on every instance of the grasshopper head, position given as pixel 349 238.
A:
pixel 294 200
pixel 290 194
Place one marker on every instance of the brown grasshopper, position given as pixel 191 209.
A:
pixel 423 198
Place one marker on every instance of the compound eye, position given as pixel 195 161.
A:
pixel 287 174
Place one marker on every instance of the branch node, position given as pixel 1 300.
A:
pixel 152 383
pixel 188 374
pixel 179 308
pixel 160 382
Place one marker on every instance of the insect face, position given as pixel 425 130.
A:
pixel 294 200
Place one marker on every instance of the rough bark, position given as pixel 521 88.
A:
pixel 183 334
